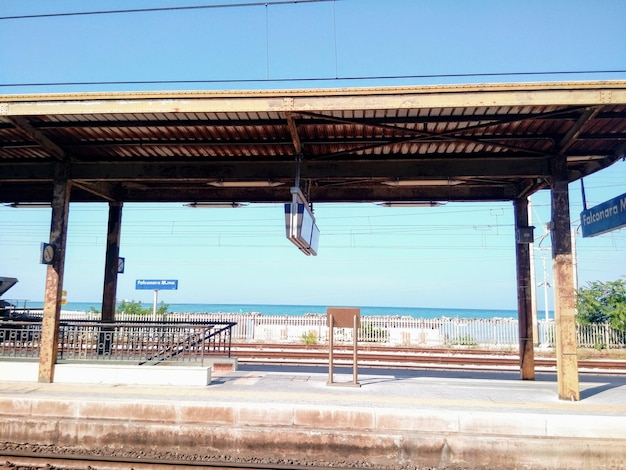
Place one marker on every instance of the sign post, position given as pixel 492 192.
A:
pixel 343 318
pixel 156 285
pixel 154 304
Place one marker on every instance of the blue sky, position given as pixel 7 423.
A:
pixel 454 256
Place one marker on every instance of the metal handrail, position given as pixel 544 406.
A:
pixel 126 341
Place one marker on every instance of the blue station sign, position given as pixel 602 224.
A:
pixel 609 215
pixel 156 284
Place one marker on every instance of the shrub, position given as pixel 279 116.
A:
pixel 464 340
pixel 309 338
pixel 136 308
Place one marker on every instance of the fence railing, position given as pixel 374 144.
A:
pixel 600 336
pixel 19 339
pixel 493 333
pixel 137 341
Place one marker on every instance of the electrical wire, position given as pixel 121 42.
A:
pixel 159 9
pixel 265 4
pixel 314 79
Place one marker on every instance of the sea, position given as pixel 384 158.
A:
pixel 299 310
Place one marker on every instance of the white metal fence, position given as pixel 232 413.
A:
pixel 496 333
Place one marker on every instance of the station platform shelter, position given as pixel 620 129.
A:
pixel 398 145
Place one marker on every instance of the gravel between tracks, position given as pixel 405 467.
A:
pixel 8 449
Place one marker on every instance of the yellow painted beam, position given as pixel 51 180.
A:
pixel 420 97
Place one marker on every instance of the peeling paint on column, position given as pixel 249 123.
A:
pixel 54 282
pixel 565 294
pixel 524 296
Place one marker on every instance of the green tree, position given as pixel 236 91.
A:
pixel 602 302
pixel 136 308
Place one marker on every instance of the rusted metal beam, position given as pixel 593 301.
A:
pixel 417 135
pixel 293 130
pixel 524 293
pixel 341 192
pixel 37 136
pixel 565 294
pixel 100 190
pixel 434 166
pixel 54 282
pixel 314 119
pixel 568 140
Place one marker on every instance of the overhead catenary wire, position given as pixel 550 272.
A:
pixel 267 79
pixel 314 79
pixel 161 9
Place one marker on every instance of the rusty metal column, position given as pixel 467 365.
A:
pixel 109 292
pixel 565 295
pixel 524 292
pixel 54 282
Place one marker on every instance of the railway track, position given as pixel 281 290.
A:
pixel 409 358
pixel 403 357
pixel 36 461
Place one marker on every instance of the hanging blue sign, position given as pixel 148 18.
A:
pixel 156 284
pixel 609 215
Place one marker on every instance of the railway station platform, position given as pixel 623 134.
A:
pixel 268 415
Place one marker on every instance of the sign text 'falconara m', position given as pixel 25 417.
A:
pixel 156 284
pixel 609 215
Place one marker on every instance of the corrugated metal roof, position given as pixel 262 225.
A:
pixel 473 142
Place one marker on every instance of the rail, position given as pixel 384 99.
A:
pixel 141 342
pixel 489 333
pixel 414 358
pixel 23 459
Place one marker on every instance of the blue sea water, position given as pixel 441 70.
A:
pixel 299 310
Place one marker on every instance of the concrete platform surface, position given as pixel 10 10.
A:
pixel 395 419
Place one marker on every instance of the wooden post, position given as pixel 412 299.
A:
pixel 565 294
pixel 50 324
pixel 524 293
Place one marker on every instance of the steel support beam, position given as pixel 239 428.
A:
pixel 524 293
pixel 565 294
pixel 109 291
pixel 435 166
pixel 180 193
pixel 37 136
pixel 54 282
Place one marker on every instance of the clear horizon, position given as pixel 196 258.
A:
pixel 146 304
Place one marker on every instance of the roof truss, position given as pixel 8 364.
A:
pixel 484 142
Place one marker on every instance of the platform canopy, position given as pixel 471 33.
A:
pixel 427 143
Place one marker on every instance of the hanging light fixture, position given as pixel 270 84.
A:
pixel 425 182
pixel 245 184
pixel 215 205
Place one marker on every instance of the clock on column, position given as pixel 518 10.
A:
pixel 47 253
